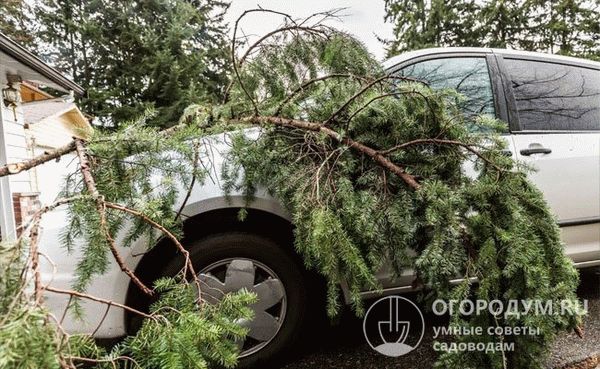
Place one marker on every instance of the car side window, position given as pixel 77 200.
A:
pixel 467 75
pixel 553 96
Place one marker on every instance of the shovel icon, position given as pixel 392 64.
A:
pixel 393 328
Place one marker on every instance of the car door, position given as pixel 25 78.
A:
pixel 556 131
pixel 471 75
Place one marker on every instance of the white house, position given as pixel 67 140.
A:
pixel 31 122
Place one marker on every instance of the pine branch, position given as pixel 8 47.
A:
pixel 319 127
pixel 85 168
pixel 98 299
pixel 309 29
pixel 188 266
pixel 369 86
pixel 15 168
pixel 436 141
pixel 306 84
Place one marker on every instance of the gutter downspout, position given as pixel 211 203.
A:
pixel 7 214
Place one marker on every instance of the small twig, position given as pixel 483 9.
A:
pixel 378 97
pixel 35 261
pixel 85 168
pixel 98 299
pixel 112 361
pixel 101 320
pixel 308 29
pixel 437 141
pixel 310 82
pixel 188 263
pixel 193 181
pixel 366 88
pixel 234 62
pixel 380 159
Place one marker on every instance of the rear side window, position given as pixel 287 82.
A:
pixel 467 75
pixel 555 97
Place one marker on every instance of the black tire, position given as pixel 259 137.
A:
pixel 215 248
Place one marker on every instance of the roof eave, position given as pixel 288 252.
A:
pixel 27 58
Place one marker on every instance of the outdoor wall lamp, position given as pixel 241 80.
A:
pixel 11 96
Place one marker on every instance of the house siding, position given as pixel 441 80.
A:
pixel 16 147
pixel 52 133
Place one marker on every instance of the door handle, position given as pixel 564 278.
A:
pixel 535 150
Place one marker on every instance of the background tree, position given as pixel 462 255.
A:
pixel 428 23
pixel 503 24
pixel 568 27
pixel 132 54
pixel 17 22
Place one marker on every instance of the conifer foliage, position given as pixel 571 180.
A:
pixel 566 27
pixel 371 166
pixel 127 181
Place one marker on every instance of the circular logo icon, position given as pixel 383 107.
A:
pixel 393 326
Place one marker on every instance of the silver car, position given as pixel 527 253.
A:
pixel 551 105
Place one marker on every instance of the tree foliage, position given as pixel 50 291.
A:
pixel 128 182
pixel 375 167
pixel 130 55
pixel 567 27
pixel 17 21
pixel 371 167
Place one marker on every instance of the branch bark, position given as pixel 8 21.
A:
pixel 85 168
pixel 188 263
pixel 15 168
pixel 98 299
pixel 408 178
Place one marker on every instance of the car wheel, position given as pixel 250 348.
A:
pixel 228 262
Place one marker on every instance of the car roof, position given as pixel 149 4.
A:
pixel 404 57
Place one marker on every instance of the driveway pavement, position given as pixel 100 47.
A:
pixel 344 347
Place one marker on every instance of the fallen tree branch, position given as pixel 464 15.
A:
pixel 188 264
pixel 408 178
pixel 15 168
pixel 98 299
pixel 85 168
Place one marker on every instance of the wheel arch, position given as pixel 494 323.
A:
pixel 266 220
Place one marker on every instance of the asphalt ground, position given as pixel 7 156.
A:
pixel 343 346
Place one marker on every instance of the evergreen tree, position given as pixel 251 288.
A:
pixel 568 27
pixel 135 54
pixel 17 23
pixel 429 23
pixel 503 24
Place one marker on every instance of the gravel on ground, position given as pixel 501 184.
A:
pixel 343 346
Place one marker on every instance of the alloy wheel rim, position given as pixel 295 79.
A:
pixel 233 274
